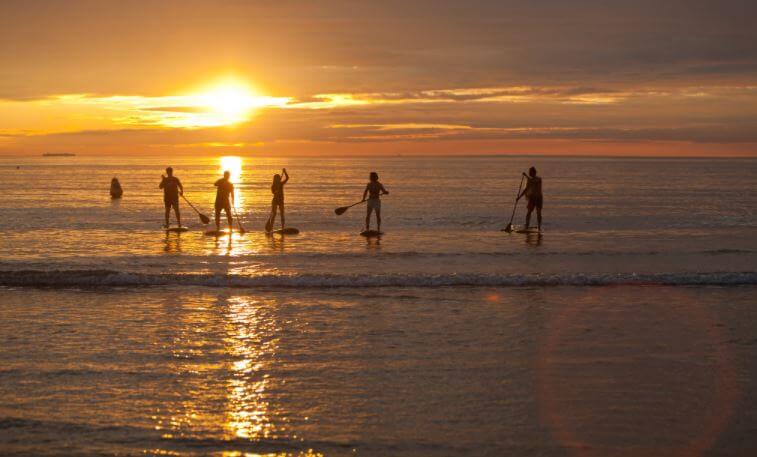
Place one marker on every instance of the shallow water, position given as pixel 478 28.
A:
pixel 624 370
pixel 626 328
pixel 603 218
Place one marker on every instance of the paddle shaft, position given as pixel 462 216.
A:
pixel 239 223
pixel 205 219
pixel 190 204
pixel 515 206
pixel 345 208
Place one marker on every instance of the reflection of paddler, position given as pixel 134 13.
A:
pixel 115 189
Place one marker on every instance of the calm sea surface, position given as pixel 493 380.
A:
pixel 626 328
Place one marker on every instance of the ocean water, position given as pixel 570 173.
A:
pixel 625 328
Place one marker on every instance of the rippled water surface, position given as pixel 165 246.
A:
pixel 626 328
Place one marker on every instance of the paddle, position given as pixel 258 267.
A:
pixel 341 210
pixel 509 227
pixel 205 219
pixel 239 222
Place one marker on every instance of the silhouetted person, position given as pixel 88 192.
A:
pixel 534 196
pixel 277 189
pixel 172 188
pixel 374 190
pixel 224 192
pixel 115 188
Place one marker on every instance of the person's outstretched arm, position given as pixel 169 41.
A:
pixel 181 187
pixel 231 194
pixel 384 191
pixel 286 176
pixel 528 183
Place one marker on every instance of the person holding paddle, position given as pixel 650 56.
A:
pixel 373 190
pixel 277 189
pixel 224 192
pixel 172 188
pixel 534 196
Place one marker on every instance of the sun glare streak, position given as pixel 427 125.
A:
pixel 224 103
pixel 233 164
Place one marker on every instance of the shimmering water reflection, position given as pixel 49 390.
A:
pixel 252 337
pixel 223 350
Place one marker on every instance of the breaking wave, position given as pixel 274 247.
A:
pixel 110 278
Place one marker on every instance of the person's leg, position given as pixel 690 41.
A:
pixel 272 217
pixel 538 217
pixel 283 220
pixel 229 218
pixel 528 217
pixel 168 213
pixel 378 218
pixel 368 212
pixel 177 213
pixel 218 219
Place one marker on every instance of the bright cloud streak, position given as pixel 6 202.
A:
pixel 224 104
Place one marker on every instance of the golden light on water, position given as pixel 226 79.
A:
pixel 252 340
pixel 232 164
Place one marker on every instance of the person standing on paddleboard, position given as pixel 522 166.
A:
pixel 172 188
pixel 374 190
pixel 277 203
pixel 534 196
pixel 224 192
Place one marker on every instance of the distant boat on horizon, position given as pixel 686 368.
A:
pixel 58 154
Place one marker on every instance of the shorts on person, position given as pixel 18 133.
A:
pixel 223 205
pixel 171 201
pixel 535 202
pixel 374 204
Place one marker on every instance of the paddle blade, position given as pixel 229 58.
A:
pixel 340 211
pixel 509 228
pixel 205 219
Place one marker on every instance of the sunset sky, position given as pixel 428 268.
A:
pixel 391 77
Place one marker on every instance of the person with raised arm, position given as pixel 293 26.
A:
pixel 277 203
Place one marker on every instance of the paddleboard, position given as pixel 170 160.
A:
pixel 177 229
pixel 531 230
pixel 371 233
pixel 216 233
pixel 286 231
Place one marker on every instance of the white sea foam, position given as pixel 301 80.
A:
pixel 108 278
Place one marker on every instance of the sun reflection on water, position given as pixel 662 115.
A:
pixel 252 338
pixel 234 165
